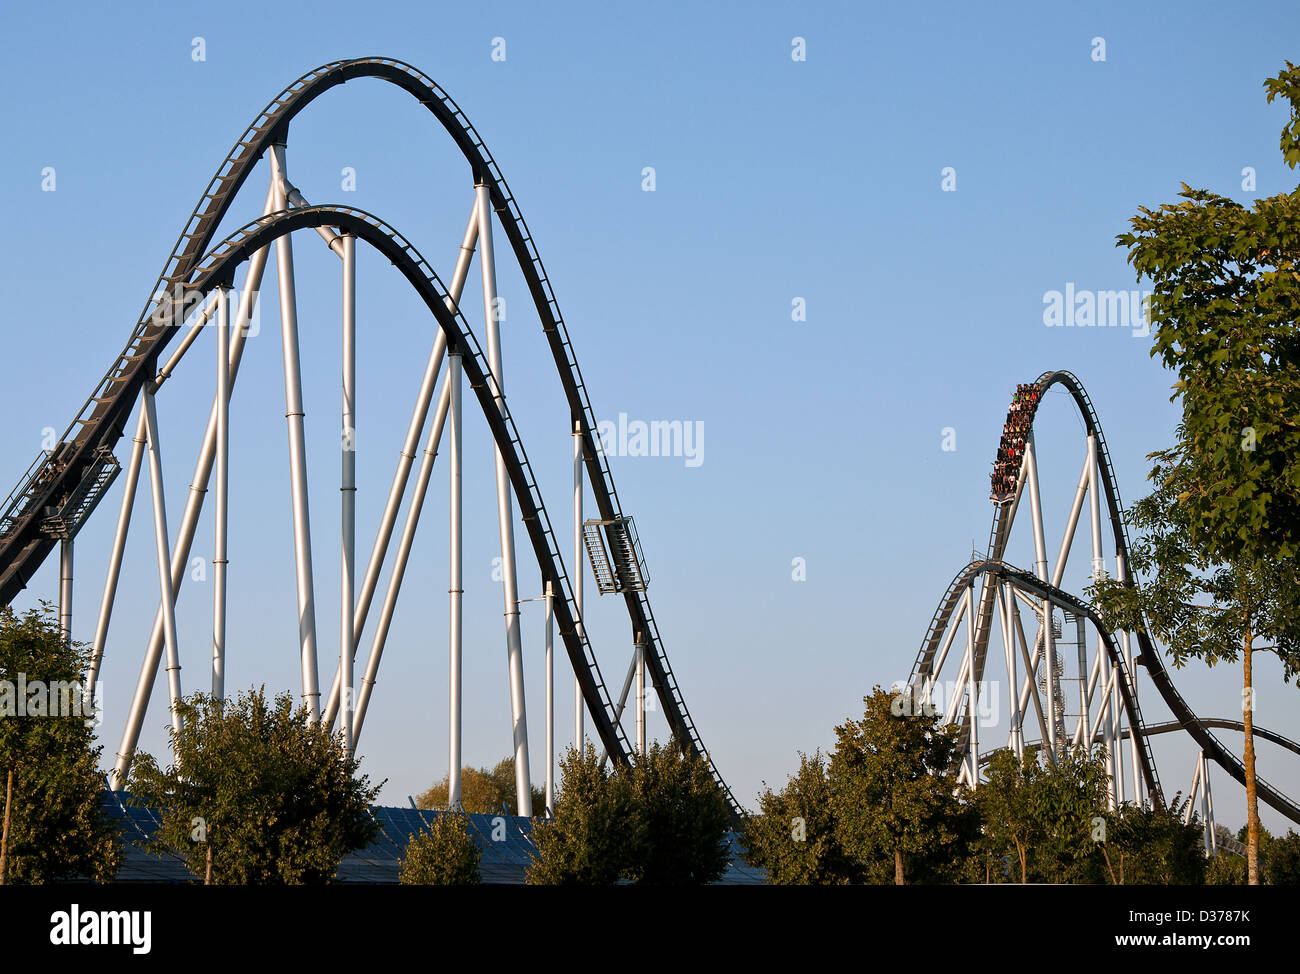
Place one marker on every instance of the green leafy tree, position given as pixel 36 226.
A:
pixel 1203 607
pixel 1152 846
pixel 1283 860
pixel 482 791
pixel 442 855
pixel 794 837
pixel 1225 869
pixel 586 841
pixel 1225 514
pixel 1007 827
pixel 1225 290
pixel 1048 815
pixel 54 825
pixel 894 793
pixel 679 819
pixel 259 794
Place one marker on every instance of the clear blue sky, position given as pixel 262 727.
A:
pixel 776 180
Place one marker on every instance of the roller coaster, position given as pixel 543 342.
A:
pixel 191 298
pixel 63 487
pixel 1088 694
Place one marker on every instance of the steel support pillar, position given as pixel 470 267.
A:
pixel 348 491
pixel 294 416
pixel 505 513
pixel 579 573
pixel 220 555
pixel 65 589
pixel 455 589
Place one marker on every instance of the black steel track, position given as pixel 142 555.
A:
pixel 1148 657
pixel 100 422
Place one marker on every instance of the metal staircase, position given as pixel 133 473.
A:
pixel 615 555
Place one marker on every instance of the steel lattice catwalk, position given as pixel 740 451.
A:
pixel 1107 698
pixel 72 478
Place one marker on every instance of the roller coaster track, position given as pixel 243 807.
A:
pixel 1148 657
pixel 99 424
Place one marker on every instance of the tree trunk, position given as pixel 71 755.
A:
pixel 1023 855
pixel 898 868
pixel 4 838
pixel 207 872
pixel 1252 800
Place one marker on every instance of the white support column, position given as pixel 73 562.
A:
pixel 166 592
pixel 640 696
pixel 1211 839
pixel 579 575
pixel 972 691
pixel 1015 739
pixel 65 589
pixel 550 699
pixel 454 370
pixel 505 513
pixel 1193 793
pixel 220 555
pixel 1040 569
pixel 115 557
pixel 294 415
pixel 1121 573
pixel 348 491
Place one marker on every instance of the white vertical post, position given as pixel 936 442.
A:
pixel 348 491
pixel 1008 638
pixel 165 588
pixel 579 574
pixel 293 411
pixel 115 558
pixel 1040 568
pixel 1211 839
pixel 454 367
pixel 973 691
pixel 65 589
pixel 1121 573
pixel 640 696
pixel 550 699
pixel 505 516
pixel 220 554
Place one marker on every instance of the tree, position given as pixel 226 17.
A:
pixel 585 842
pixel 1225 292
pixel 794 837
pixel 259 794
pixel 442 855
pixel 1047 813
pixel 54 825
pixel 894 791
pixel 1201 605
pixel 679 819
pixel 1152 846
pixel 1283 860
pixel 482 792
pixel 1223 309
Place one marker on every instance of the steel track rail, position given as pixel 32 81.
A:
pixel 101 420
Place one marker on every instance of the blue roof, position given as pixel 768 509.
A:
pixel 504 840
